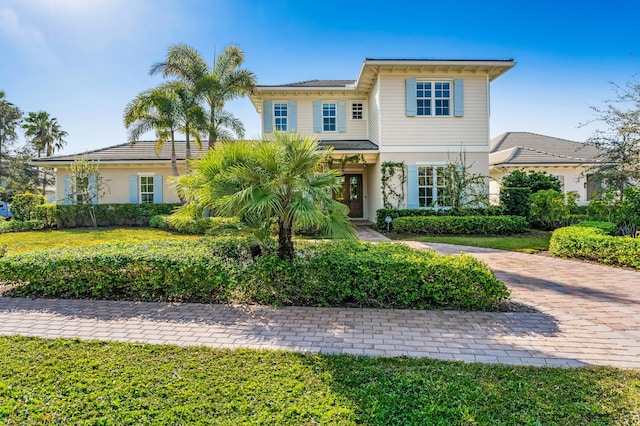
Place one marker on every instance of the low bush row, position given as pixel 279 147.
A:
pixel 592 241
pixel 469 225
pixel 212 226
pixel 20 225
pixel 381 214
pixel 77 215
pixel 222 270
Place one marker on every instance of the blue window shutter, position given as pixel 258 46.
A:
pixel 93 189
pixel 458 97
pixel 342 116
pixel 133 189
pixel 412 106
pixel 412 186
pixel 157 189
pixel 317 116
pixel 267 116
pixel 66 198
pixel 292 116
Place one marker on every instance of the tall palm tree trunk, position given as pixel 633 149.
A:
pixel 174 161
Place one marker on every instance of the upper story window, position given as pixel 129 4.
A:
pixel 433 98
pixel 146 190
pixel 357 110
pixel 432 186
pixel 280 115
pixel 329 115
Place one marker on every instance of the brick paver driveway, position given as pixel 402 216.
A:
pixel 586 314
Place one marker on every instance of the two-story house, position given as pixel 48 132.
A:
pixel 422 113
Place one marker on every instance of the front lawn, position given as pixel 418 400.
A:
pixel 70 381
pixel 530 242
pixel 80 237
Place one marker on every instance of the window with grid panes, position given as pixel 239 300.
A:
pixel 431 186
pixel 146 189
pixel 357 111
pixel 433 98
pixel 280 115
pixel 329 115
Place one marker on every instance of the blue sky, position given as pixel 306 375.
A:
pixel 83 60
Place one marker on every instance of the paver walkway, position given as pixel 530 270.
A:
pixel 587 314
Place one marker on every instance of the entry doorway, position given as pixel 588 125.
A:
pixel 350 193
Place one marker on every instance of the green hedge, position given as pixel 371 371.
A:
pixel 75 215
pixel 20 225
pixel 467 225
pixel 345 273
pixel 381 214
pixel 593 243
pixel 211 226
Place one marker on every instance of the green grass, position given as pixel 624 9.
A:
pixel 70 381
pixel 531 242
pixel 24 241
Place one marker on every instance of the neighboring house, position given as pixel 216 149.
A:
pixel 571 162
pixel 132 173
pixel 420 112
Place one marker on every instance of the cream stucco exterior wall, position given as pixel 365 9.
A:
pixel 573 178
pixel 116 181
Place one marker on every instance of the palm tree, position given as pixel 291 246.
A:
pixel 224 81
pixel 273 182
pixel 157 110
pixel 10 117
pixel 45 135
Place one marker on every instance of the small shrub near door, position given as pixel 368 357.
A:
pixel 342 273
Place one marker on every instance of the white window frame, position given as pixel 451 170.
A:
pixel 141 193
pixel 362 111
pixel 433 99
pixel 278 127
pixel 334 116
pixel 430 170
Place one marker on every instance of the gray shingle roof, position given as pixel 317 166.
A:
pixel 514 148
pixel 144 151
pixel 315 83
pixel 349 145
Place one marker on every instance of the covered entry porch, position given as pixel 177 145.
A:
pixel 356 161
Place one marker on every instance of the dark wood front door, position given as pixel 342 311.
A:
pixel 350 194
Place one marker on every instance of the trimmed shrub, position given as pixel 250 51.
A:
pixel 345 273
pixel 169 270
pixel 515 200
pixel 469 225
pixel 212 226
pixel 381 275
pixel 606 227
pixel 547 209
pixel 47 213
pixel 21 225
pixel 23 205
pixel 381 214
pixel 593 243
pixel 77 215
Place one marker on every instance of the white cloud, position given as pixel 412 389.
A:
pixel 19 32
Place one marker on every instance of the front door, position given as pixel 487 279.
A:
pixel 350 194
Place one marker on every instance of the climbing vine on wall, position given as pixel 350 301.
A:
pixel 393 190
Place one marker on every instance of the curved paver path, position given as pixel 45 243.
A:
pixel 588 314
